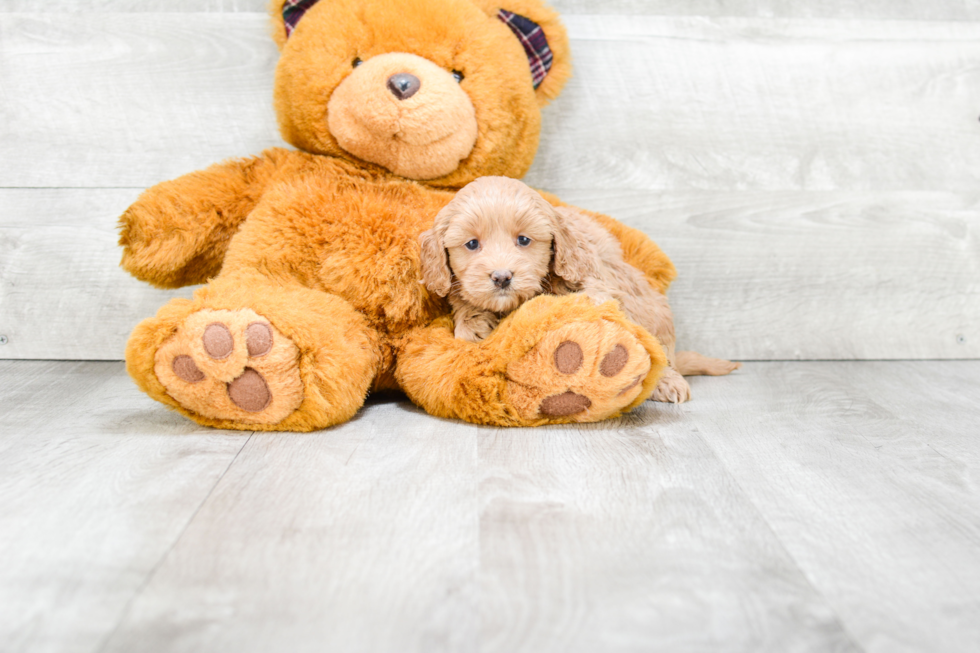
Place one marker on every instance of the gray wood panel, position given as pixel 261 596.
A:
pixel 762 276
pixel 617 537
pixel 62 292
pixel 656 103
pixel 96 484
pixel 815 275
pixel 790 506
pixel 881 9
pixel 630 535
pixel 878 9
pixel 141 6
pixel 364 537
pixel 734 103
pixel 129 100
pixel 868 473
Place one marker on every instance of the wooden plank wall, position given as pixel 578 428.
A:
pixel 810 167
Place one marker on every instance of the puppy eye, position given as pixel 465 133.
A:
pixel 458 76
pixel 472 245
pixel 523 241
pixel 357 62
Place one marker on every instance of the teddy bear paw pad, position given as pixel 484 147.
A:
pixel 583 371
pixel 231 365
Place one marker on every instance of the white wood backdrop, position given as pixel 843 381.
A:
pixel 810 167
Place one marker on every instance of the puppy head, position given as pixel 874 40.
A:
pixel 496 237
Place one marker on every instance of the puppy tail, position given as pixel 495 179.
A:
pixel 691 363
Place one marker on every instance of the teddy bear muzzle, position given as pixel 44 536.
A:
pixel 405 113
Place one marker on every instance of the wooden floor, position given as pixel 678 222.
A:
pixel 800 506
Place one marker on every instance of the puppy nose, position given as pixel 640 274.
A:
pixel 501 278
pixel 403 85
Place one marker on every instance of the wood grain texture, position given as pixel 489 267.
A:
pixel 133 6
pixel 791 506
pixel 656 102
pixel 873 9
pixel 62 292
pixel 662 103
pixel 631 536
pixel 360 538
pixel 129 100
pixel 96 484
pixel 815 275
pixel 876 9
pixel 867 472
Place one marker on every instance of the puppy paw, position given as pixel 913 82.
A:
pixel 598 298
pixel 475 328
pixel 672 388
pixel 231 365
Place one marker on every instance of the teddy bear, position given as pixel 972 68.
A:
pixel 312 294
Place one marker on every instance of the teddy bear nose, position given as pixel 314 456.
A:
pixel 403 85
pixel 501 278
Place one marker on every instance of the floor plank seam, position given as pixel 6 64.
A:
pixel 156 567
pixel 833 609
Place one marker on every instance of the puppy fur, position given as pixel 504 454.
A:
pixel 498 243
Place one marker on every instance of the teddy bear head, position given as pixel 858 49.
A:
pixel 440 91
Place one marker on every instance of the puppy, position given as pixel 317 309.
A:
pixel 498 243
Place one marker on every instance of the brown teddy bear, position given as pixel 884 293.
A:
pixel 311 257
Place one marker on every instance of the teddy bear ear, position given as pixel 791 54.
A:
pixel 543 37
pixel 285 15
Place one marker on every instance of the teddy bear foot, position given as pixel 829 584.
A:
pixel 231 365
pixel 580 372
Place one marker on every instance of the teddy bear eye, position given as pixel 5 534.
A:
pixel 472 245
pixel 357 62
pixel 523 241
pixel 458 76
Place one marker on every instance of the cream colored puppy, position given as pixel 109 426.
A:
pixel 498 243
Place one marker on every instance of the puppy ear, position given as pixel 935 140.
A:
pixel 574 258
pixel 436 273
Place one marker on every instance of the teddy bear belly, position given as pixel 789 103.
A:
pixel 355 240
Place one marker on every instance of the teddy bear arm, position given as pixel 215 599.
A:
pixel 177 232
pixel 450 377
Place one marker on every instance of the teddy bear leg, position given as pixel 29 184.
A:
pixel 246 354
pixel 554 360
